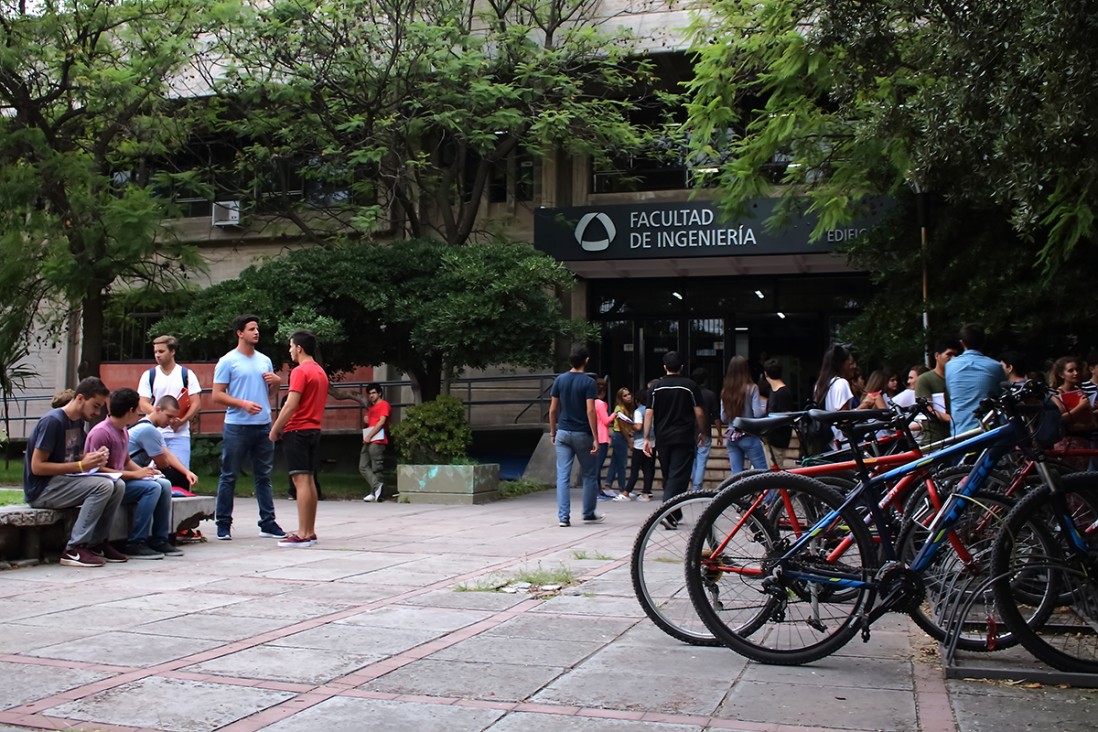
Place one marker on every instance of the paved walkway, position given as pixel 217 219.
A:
pixel 370 631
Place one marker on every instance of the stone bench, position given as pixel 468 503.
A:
pixel 26 532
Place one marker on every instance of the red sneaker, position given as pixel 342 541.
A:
pixel 80 556
pixel 107 552
pixel 295 541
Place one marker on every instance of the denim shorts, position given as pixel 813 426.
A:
pixel 300 449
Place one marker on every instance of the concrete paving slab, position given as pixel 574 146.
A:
pixel 810 705
pixel 255 586
pixel 343 714
pixel 211 627
pixel 177 601
pixel 637 690
pixel 983 707
pixel 839 671
pixel 532 651
pixel 125 649
pixel 283 608
pixel 341 593
pixel 18 638
pixel 520 722
pixel 292 665
pixel 668 657
pixel 601 630
pixel 26 682
pixel 373 642
pixel 449 597
pixel 464 680
pixel 173 705
pixel 626 607
pixel 103 618
pixel 425 618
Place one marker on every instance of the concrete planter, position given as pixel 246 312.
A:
pixel 454 484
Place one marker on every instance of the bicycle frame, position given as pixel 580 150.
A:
pixel 992 445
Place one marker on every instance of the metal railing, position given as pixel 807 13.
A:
pixel 528 393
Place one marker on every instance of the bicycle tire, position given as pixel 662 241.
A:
pixel 955 573
pixel 656 570
pixel 1068 641
pixel 761 616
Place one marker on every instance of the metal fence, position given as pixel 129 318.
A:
pixel 489 400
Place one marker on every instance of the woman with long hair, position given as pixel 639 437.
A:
pixel 621 430
pixel 641 462
pixel 876 391
pixel 833 390
pixel 1075 409
pixel 740 398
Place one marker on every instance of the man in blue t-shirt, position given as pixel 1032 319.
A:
pixel 57 473
pixel 242 382
pixel 572 430
pixel 970 378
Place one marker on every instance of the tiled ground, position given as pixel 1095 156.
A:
pixel 383 626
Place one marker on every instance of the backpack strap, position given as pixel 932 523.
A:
pixel 152 378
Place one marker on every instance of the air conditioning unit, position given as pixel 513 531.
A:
pixel 226 213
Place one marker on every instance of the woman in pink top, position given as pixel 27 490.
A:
pixel 603 418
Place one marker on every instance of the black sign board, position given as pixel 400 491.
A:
pixel 681 229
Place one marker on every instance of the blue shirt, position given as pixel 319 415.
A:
pixel 146 442
pixel 243 379
pixel 573 389
pixel 970 378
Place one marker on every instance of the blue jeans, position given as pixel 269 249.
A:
pixel 153 512
pixel 572 446
pixel 600 461
pixel 701 457
pixel 619 458
pixel 749 446
pixel 238 442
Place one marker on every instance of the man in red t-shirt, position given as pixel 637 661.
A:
pixel 298 426
pixel 371 461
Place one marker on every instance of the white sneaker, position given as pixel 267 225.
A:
pixel 375 496
pixel 622 497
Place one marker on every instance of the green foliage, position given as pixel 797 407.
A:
pixel 413 108
pixel 434 432
pixel 520 487
pixel 1001 287
pixel 206 456
pixel 423 306
pixel 85 89
pixel 989 105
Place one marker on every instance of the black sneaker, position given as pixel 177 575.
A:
pixel 564 524
pixel 595 518
pixel 165 548
pixel 669 523
pixel 272 531
pixel 141 551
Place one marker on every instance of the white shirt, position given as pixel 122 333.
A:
pixel 166 384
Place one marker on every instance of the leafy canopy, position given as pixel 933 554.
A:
pixel 424 306
pixel 987 104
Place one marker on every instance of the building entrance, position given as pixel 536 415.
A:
pixel 710 320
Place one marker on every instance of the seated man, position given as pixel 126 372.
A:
pixel 57 473
pixel 147 445
pixel 143 486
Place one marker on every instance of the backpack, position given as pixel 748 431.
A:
pixel 184 396
pixel 816 437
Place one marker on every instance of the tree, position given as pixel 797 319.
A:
pixel 986 104
pixel 1002 288
pixel 410 110
pixel 86 91
pixel 426 307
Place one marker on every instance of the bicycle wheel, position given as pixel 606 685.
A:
pixel 1056 571
pixel 960 569
pixel 763 610
pixel 656 569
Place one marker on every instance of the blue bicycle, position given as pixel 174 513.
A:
pixel 785 570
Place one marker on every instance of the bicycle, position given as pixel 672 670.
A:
pixel 657 554
pixel 792 600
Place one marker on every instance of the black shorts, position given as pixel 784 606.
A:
pixel 300 448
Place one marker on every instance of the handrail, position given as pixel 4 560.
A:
pixel 26 410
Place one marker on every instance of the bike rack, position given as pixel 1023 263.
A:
pixel 958 608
